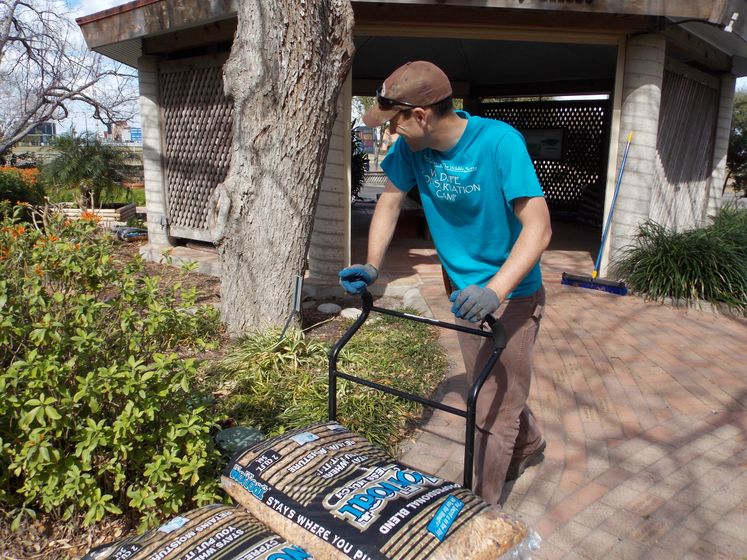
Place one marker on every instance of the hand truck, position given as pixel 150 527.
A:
pixel 498 335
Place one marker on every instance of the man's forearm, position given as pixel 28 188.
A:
pixel 383 224
pixel 533 240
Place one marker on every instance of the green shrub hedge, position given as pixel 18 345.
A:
pixel 99 411
pixel 703 264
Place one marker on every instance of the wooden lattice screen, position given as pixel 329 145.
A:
pixel 574 183
pixel 197 125
pixel 684 146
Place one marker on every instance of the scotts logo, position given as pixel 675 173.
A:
pixel 247 480
pixel 290 553
pixel 360 501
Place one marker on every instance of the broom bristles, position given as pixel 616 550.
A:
pixel 594 284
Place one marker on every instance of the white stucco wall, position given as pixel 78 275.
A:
pixel 641 98
pixel 150 115
pixel 723 130
pixel 329 250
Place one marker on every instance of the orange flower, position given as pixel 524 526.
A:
pixel 44 240
pixel 89 216
pixel 28 176
pixel 38 270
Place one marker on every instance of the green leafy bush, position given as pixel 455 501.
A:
pixel 20 186
pixel 736 158
pixel 287 388
pixel 358 163
pixel 99 414
pixel 93 169
pixel 707 263
pixel 730 224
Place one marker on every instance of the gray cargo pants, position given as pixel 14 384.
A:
pixel 505 425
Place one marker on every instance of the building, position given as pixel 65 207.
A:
pixel 41 135
pixel 665 71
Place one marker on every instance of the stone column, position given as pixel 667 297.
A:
pixel 155 196
pixel 641 99
pixel 721 146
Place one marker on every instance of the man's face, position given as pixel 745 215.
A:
pixel 411 126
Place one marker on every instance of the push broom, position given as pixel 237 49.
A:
pixel 592 282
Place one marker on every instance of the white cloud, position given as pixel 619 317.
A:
pixel 88 7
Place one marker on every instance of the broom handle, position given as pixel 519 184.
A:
pixel 612 206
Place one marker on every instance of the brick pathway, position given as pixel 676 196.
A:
pixel 644 409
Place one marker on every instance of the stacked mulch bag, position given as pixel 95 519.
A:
pixel 324 492
pixel 213 532
pixel 338 496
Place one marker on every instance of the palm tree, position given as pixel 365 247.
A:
pixel 85 164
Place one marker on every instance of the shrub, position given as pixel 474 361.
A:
pixel 95 171
pixel 730 224
pixel 20 185
pixel 286 388
pixel 358 163
pixel 98 414
pixel 736 158
pixel 701 264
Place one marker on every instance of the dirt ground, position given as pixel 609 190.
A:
pixel 208 287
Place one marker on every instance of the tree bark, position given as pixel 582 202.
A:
pixel 288 62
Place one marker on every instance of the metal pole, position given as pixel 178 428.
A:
pixel 367 303
pixel 499 342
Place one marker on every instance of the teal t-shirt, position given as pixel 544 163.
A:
pixel 467 193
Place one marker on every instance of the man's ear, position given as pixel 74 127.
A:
pixel 421 115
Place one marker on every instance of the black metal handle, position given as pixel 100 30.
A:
pixel 499 343
pixel 498 334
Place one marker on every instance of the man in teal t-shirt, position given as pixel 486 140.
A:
pixel 489 221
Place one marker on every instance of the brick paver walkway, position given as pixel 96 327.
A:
pixel 644 409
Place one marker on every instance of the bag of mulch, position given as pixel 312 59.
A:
pixel 340 497
pixel 212 532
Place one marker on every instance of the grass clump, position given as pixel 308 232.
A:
pixel 702 264
pixel 286 389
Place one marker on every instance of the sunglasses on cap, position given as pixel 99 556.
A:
pixel 386 104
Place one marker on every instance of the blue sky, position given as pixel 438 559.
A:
pixel 80 114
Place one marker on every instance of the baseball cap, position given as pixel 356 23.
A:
pixel 414 84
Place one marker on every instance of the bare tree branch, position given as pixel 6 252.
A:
pixel 45 66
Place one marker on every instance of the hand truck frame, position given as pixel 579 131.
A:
pixel 498 334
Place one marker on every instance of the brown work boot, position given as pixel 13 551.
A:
pixel 519 464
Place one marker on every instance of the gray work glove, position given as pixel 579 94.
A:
pixel 354 279
pixel 474 303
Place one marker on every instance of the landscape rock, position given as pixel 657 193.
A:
pixel 329 308
pixel 350 313
pixel 414 300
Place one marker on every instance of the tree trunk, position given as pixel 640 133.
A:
pixel 287 66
